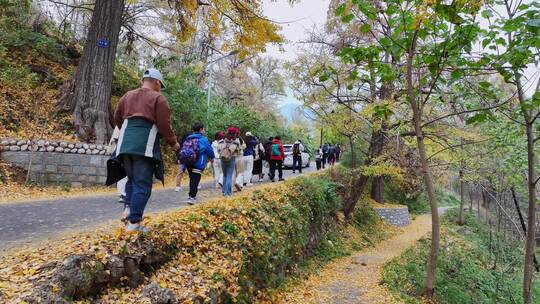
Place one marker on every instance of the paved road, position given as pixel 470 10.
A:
pixel 31 222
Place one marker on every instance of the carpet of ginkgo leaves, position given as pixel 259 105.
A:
pixel 227 249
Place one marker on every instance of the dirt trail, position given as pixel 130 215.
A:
pixel 356 279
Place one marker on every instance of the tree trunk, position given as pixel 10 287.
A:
pixel 360 182
pixel 88 94
pixel 353 152
pixel 377 189
pixel 417 121
pixel 462 198
pixel 377 184
pixel 531 186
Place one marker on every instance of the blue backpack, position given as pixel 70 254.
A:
pixel 190 151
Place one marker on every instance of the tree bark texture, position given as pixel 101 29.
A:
pixel 529 119
pixel 377 183
pixel 462 198
pixel 417 121
pixel 88 94
pixel 353 152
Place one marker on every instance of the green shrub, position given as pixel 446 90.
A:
pixel 467 272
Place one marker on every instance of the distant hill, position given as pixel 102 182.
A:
pixel 289 110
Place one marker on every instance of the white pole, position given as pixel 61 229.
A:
pixel 208 95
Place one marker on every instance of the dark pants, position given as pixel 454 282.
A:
pixel 324 159
pixel 194 180
pixel 297 159
pixel 337 156
pixel 276 164
pixel 319 163
pixel 140 172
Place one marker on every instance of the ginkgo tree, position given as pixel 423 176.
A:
pixel 87 94
pixel 427 43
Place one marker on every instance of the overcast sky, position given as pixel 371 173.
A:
pixel 297 20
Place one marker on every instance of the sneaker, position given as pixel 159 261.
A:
pixel 281 179
pixel 122 199
pixel 249 185
pixel 136 227
pixel 191 201
pixel 125 214
pixel 177 189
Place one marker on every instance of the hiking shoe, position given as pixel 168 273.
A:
pixel 136 227
pixel 177 189
pixel 281 179
pixel 191 201
pixel 125 214
pixel 238 187
pixel 122 199
pixel 272 180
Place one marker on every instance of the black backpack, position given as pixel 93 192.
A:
pixel 296 149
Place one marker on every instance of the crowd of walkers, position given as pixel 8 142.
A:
pixel 143 117
pixel 328 154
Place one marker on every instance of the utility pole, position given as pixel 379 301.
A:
pixel 209 83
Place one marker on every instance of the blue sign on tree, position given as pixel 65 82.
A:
pixel 103 43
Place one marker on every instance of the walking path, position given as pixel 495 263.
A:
pixel 356 279
pixel 28 223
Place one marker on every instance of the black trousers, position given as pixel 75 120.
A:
pixel 194 180
pixel 319 164
pixel 297 160
pixel 276 164
pixel 324 159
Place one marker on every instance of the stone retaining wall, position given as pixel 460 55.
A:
pixel 75 164
pixel 395 216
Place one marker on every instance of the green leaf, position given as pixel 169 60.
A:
pixel 477 118
pixel 484 84
pixel 340 10
pixel 487 14
pixel 365 28
pixel 323 78
pixel 347 18
pixel 457 74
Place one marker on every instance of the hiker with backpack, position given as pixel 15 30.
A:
pixel 258 157
pixel 297 150
pixel 248 159
pixel 331 155
pixel 318 158
pixel 216 165
pixel 268 152
pixel 277 155
pixel 181 167
pixel 240 164
pixel 325 149
pixel 228 150
pixel 143 116
pixel 195 153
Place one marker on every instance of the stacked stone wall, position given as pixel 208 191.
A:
pixel 58 162
pixel 395 216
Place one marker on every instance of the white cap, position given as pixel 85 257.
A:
pixel 249 134
pixel 154 74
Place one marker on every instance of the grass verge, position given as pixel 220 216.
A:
pixel 475 266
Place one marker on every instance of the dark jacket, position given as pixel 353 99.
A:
pixel 250 145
